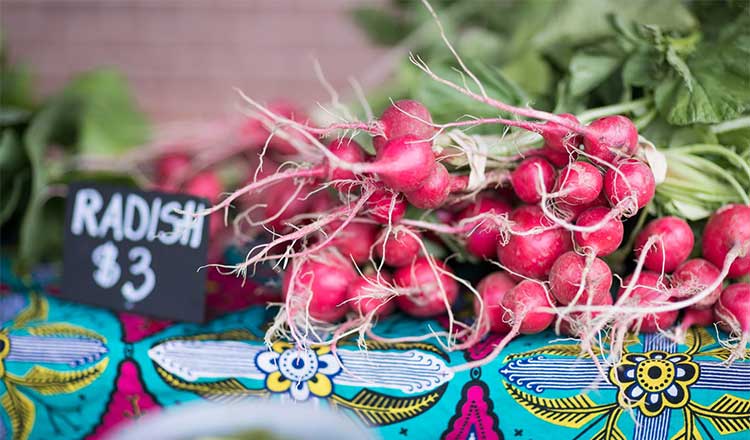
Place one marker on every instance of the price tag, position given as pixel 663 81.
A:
pixel 135 251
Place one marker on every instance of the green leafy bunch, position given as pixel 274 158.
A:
pixel 679 69
pixel 40 140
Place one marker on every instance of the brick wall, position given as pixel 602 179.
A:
pixel 183 57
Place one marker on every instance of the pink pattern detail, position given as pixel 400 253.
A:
pixel 474 414
pixel 483 348
pixel 137 327
pixel 129 401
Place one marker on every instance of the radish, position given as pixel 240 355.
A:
pixel 649 291
pixel 205 184
pixel 733 309
pixel 318 285
pixel 286 199
pixel 404 163
pixel 525 179
pixel 492 289
pixel 483 237
pixel 693 317
pixel 693 276
pixel 556 157
pixel 532 254
pixel 399 248
pixel 523 303
pixel 571 212
pixel 426 295
pixel 367 298
pixel 348 151
pixel 289 111
pixel 386 206
pixel 170 166
pixel 578 183
pixel 673 245
pixel 611 137
pixel 434 190
pixel 729 228
pixel 560 138
pixel 633 185
pixel 566 276
pixel 355 240
pixel 603 241
pixel 406 117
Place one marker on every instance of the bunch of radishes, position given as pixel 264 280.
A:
pixel 351 254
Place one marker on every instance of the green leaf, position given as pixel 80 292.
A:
pixel 588 70
pixel 13 115
pixel 718 88
pixel 110 121
pixel 531 72
pixel 380 26
pixel 11 194
pixel 16 86
pixel 642 68
pixel 12 156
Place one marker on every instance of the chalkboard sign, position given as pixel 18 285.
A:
pixel 135 251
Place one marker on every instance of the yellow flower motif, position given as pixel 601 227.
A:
pixel 301 373
pixel 653 381
pixel 4 350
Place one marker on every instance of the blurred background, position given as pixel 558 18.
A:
pixel 182 58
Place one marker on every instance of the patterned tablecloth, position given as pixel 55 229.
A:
pixel 73 371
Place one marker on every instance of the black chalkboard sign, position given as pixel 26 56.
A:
pixel 135 251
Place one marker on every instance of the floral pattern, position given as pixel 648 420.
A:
pixel 655 380
pixel 655 383
pixel 301 373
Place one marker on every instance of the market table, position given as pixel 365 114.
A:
pixel 73 371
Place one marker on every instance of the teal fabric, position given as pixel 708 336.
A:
pixel 74 371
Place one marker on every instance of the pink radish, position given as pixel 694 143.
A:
pixel 348 151
pixel 492 289
pixel 533 254
pixel 733 309
pixel 289 111
pixel 404 163
pixel 406 117
pixel 285 201
pixel 635 182
pixel 566 276
pixel 355 240
pixel 694 276
pixel 578 183
pixel 400 248
pixel 323 282
pixel 649 292
pixel 556 157
pixel 559 138
pixel 523 303
pixel 205 184
pixel 525 179
pixel 696 317
pixel 379 206
pixel 571 212
pixel 434 190
pixel 170 166
pixel 366 297
pixel 425 294
pixel 482 239
pixel 604 240
pixel 729 228
pixel 610 138
pixel 673 246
